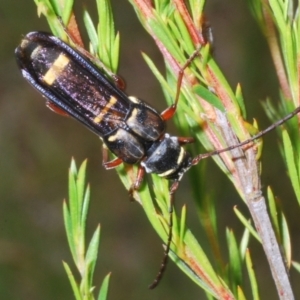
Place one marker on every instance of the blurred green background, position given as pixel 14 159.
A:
pixel 37 146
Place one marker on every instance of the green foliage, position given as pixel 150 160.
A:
pixel 105 42
pixel 282 34
pixel 214 113
pixel 51 9
pixel 252 277
pixel 75 217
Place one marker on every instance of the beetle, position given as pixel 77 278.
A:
pixel 131 129
pixel 128 127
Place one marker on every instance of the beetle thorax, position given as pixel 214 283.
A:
pixel 167 158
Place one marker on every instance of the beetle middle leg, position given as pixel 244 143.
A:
pixel 111 164
pixel 138 181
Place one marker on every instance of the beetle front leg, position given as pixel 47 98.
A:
pixel 168 113
pixel 185 140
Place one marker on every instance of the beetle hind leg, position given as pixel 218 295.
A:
pixel 51 105
pixel 109 164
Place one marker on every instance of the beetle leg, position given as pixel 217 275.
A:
pixel 185 140
pixel 170 111
pixel 112 163
pixel 118 81
pixel 138 181
pixel 56 109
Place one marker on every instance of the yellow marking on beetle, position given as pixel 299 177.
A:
pixel 134 99
pixel 168 172
pixel 131 121
pixel 179 161
pixel 119 135
pixel 112 101
pixel 113 138
pixel 56 69
pixel 35 52
pixel 24 43
pixel 180 156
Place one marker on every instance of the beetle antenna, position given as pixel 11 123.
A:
pixel 181 73
pixel 167 114
pixel 165 259
pixel 199 157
